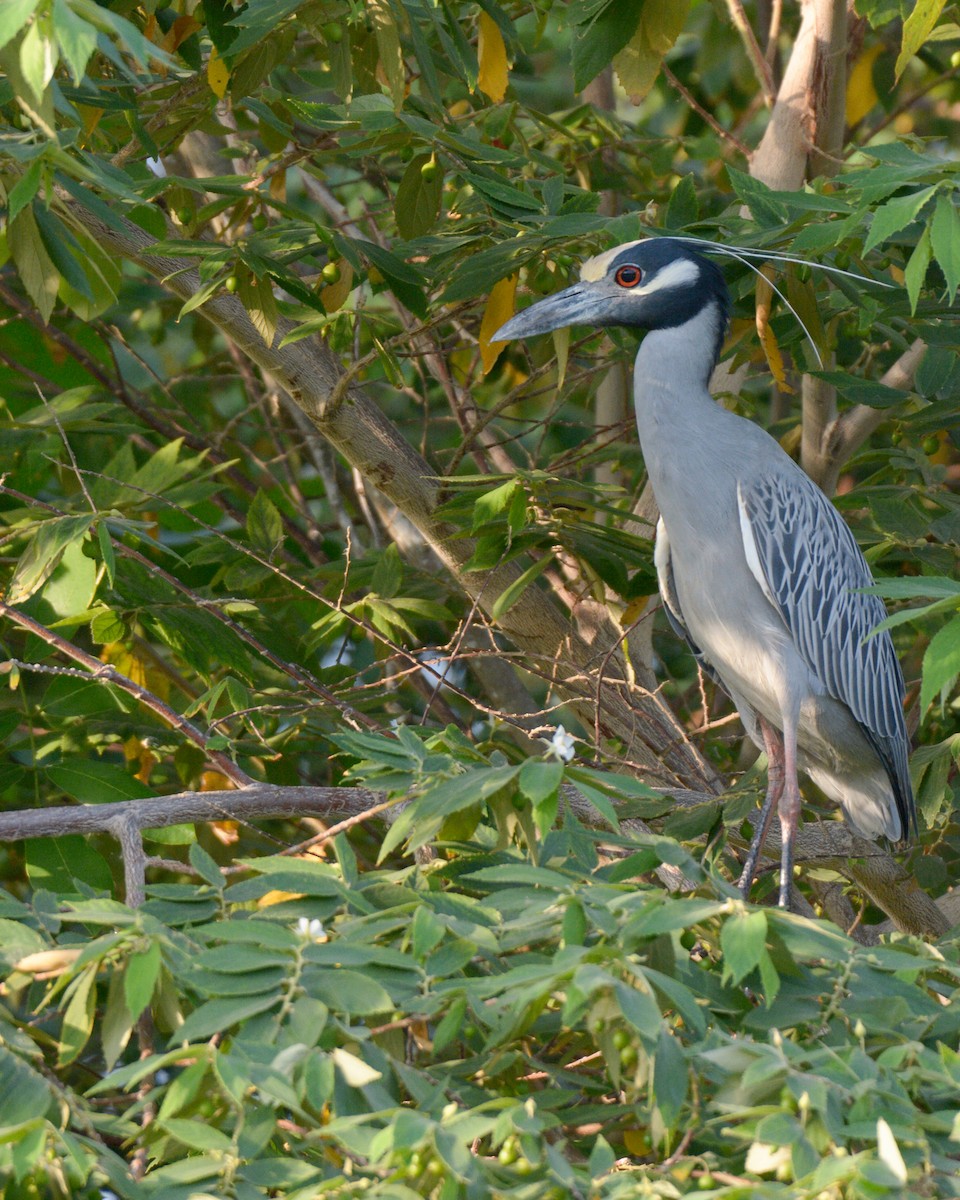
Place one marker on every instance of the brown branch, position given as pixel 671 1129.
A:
pixel 829 843
pixel 724 134
pixel 253 802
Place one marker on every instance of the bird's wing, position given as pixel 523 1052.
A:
pixel 810 568
pixel 671 601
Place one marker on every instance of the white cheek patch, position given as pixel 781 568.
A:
pixel 684 270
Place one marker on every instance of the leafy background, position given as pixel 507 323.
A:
pixel 200 593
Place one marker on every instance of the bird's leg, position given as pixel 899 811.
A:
pixel 773 746
pixel 789 808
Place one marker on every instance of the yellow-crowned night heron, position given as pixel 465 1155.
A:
pixel 757 571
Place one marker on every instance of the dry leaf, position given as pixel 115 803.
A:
pixel 492 53
pixel 500 308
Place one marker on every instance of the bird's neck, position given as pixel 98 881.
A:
pixel 680 358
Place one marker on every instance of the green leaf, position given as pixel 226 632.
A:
pixel 77 38
pixel 417 203
pixel 916 29
pixel 862 391
pixel 78 1018
pixel 14 15
pixel 140 978
pixel 388 45
pixel 743 940
pixel 26 187
pixel 941 663
pixel 217 1016
pixel 671 1078
pixel 915 273
pixel 512 593
pixel 420 820
pixel 116 1025
pixel 540 780
pixel 24 1093
pixel 198 1135
pixel 107 626
pixel 601 37
pixel 58 863
pixel 39 276
pixel 764 207
pixel 405 281
pixel 257 298
pixel 96 782
pixel 640 1009
pixel 346 991
pixel 38 59
pixel 264 524
pixel 387 576
pixel 945 242
pixel 450 1025
pixel 895 215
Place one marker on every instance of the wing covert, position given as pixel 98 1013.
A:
pixel 811 569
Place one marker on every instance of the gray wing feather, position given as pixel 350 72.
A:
pixel 811 569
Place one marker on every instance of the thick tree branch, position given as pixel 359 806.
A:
pixel 828 843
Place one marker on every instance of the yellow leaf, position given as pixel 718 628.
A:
pixel 179 31
pixel 49 962
pixel 771 348
pixel 861 94
pixel 215 781
pixel 277 897
pixel 561 344
pixel 499 309
pixel 636 1142
pixel 217 74
pixel 633 611
pixel 492 53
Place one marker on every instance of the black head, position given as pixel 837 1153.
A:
pixel 658 283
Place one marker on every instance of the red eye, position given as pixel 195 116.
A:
pixel 628 276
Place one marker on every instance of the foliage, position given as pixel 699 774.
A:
pixel 462 1028
pixel 529 1011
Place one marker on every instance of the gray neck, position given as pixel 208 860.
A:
pixel 681 357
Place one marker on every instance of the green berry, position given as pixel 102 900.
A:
pixel 931 444
pixel 231 283
pixel 333 31
pixel 430 170
pixel 331 273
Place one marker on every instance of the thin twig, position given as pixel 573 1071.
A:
pixel 701 112
pixel 754 53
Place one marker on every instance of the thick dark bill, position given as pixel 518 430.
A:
pixel 576 305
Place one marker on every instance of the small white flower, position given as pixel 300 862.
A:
pixel 156 166
pixel 561 745
pixel 312 928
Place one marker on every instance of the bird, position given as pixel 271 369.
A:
pixel 758 572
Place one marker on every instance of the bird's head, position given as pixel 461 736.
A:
pixel 659 283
